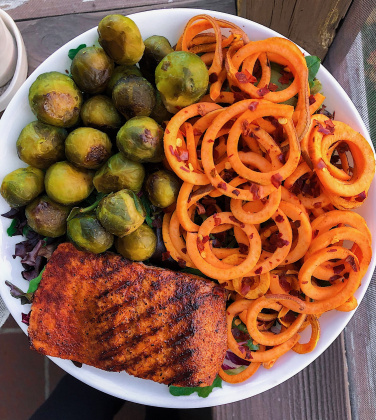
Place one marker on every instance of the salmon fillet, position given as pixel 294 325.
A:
pixel 116 315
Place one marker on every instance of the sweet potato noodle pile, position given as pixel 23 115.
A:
pixel 279 180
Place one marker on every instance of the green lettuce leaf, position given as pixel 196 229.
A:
pixel 34 283
pixel 203 392
pixel 313 64
pixel 72 53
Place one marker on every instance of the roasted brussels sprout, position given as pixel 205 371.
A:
pixel 134 96
pixel 21 186
pixel 88 234
pixel 138 245
pixel 121 39
pixel 121 72
pixel 156 48
pixel 40 145
pixel 182 79
pixel 55 99
pixel 162 188
pixel 99 112
pixel 121 213
pixel 47 217
pixel 87 147
pixel 91 69
pixel 119 173
pixel 160 113
pixel 141 139
pixel 67 184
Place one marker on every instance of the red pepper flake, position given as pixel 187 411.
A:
pixel 361 197
pixel 334 278
pixel 276 180
pixel 197 132
pixel 251 236
pixel 289 317
pixel 222 186
pixel 217 221
pixel 213 172
pixel 263 91
pixel 200 208
pixel 243 249
pixel 251 77
pixel 332 250
pixel 242 77
pixel 315 233
pixel 183 168
pixel 236 192
pixel 329 129
pixel 259 270
pixel 182 263
pixel 317 205
pixel 304 282
pixel 321 164
pixel 235 220
pixel 213 78
pixel 346 275
pixel 247 283
pixel 285 78
pixel 281 158
pixel 279 218
pixel 210 141
pixel 26 318
pixel 165 255
pixel 205 239
pixel 338 268
pixel 311 99
pixel 286 286
pixel 201 110
pixel 245 127
pixel 184 250
pixel 184 155
pixel 272 87
pixel 200 245
pixel 255 191
pixel 167 131
pixel 351 260
pixel 253 105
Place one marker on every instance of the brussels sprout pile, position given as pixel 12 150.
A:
pixel 95 152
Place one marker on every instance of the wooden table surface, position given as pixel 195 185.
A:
pixel 328 389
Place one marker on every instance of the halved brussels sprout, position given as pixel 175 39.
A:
pixel 91 69
pixel 156 48
pixel 121 39
pixel 40 145
pixel 46 217
pixel 87 147
pixel 134 96
pixel 21 186
pixel 162 188
pixel 67 184
pixel 121 72
pixel 121 213
pixel 138 245
pixel 182 79
pixel 99 112
pixel 88 234
pixel 55 99
pixel 141 139
pixel 119 173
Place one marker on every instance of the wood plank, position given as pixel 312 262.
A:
pixel 44 36
pixel 319 392
pixel 311 24
pixel 32 9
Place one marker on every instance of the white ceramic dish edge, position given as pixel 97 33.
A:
pixel 122 385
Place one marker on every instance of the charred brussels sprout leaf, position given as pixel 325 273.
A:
pixel 21 186
pixel 55 99
pixel 91 69
pixel 121 39
pixel 40 145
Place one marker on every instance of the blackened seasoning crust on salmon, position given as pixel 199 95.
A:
pixel 107 312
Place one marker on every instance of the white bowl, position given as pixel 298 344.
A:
pixel 170 24
pixel 20 71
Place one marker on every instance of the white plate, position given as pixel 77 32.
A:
pixel 168 23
